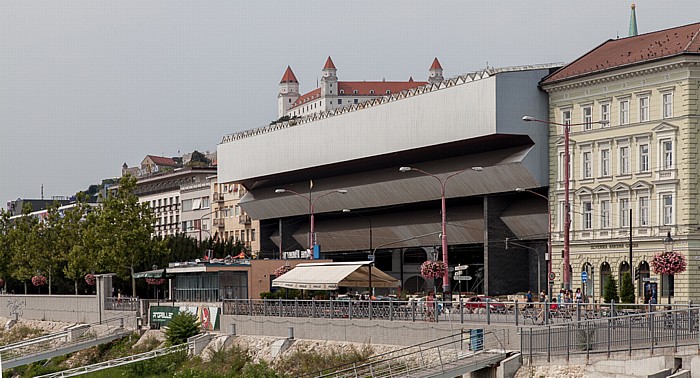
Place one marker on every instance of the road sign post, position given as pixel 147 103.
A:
pixel 584 276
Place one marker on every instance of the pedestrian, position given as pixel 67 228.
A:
pixel 578 295
pixel 119 296
pixel 430 306
pixel 543 296
pixel 528 297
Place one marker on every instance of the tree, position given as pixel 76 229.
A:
pixel 124 227
pixel 5 252
pixel 182 326
pixel 24 242
pixel 627 288
pixel 610 291
pixel 78 241
pixel 199 160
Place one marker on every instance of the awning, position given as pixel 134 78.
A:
pixel 158 273
pixel 330 276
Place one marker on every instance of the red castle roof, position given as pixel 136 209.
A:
pixel 329 64
pixel 363 88
pixel 436 64
pixel 288 76
pixel 639 49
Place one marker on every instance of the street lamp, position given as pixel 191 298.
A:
pixel 668 247
pixel 312 203
pixel 442 181
pixel 549 242
pixel 567 174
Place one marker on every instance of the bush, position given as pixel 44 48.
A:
pixel 627 289
pixel 182 326
pixel 610 291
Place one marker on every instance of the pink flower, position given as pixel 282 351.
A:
pixel 39 280
pixel 433 269
pixel 90 279
pixel 668 263
pixel 282 270
pixel 155 281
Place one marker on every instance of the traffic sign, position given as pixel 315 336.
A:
pixel 463 278
pixel 461 267
pixel 552 275
pixel 584 276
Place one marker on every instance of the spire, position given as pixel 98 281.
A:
pixel 436 64
pixel 329 64
pixel 633 22
pixel 288 76
pixel 435 72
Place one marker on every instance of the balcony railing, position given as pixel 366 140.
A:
pixel 244 219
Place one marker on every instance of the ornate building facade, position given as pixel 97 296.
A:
pixel 637 173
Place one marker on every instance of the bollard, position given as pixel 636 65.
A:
pixel 488 311
pixel 290 333
pixel 232 329
pixel 516 313
pixel 461 311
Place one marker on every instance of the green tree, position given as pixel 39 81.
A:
pixel 182 326
pixel 627 288
pixel 24 242
pixel 78 242
pixel 5 251
pixel 124 227
pixel 199 160
pixel 610 291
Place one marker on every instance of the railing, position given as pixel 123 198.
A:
pixel 639 331
pixel 78 335
pixel 123 304
pixel 514 313
pixel 455 353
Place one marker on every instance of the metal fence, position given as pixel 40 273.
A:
pixel 122 304
pixel 513 313
pixel 639 331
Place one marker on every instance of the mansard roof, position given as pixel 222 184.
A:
pixel 288 76
pixel 623 52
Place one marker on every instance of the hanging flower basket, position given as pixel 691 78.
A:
pixel 155 281
pixel 668 263
pixel 90 279
pixel 282 270
pixel 433 269
pixel 39 280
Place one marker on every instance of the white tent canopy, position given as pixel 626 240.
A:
pixel 330 276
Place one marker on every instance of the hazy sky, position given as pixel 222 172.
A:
pixel 88 85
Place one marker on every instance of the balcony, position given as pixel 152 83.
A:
pixel 219 222
pixel 665 175
pixel 244 219
pixel 218 197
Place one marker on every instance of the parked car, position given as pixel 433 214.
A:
pixel 477 304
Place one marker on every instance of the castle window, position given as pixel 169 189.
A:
pixel 371 91
pixel 342 91
pixel 340 101
pixel 355 101
pixel 388 91
pixel 290 100
pixel 355 91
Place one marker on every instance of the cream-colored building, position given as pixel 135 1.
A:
pixel 230 221
pixel 645 160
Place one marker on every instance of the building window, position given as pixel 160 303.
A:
pixel 237 210
pixel 354 101
pixel 562 215
pixel 388 91
pixel 587 165
pixel 605 162
pixel 624 112
pixel 624 160
pixel 667 201
pixel 587 118
pixel 566 116
pixel 205 202
pixel 187 205
pixel 624 212
pixel 667 148
pixel 340 101
pixel 605 114
pixel 644 211
pixel 643 109
pixel 667 103
pixel 252 235
pixel 354 92
pixel 587 215
pixel 644 158
pixel 342 91
pixel 605 214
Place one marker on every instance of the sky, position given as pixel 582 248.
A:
pixel 87 85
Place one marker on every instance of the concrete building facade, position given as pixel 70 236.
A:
pixel 230 221
pixel 639 172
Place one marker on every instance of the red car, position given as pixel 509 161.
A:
pixel 478 303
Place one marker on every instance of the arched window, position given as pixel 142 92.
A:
pixel 624 268
pixel 643 270
pixel 589 285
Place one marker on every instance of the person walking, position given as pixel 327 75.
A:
pixel 529 300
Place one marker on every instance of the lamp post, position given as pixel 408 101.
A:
pixel 312 203
pixel 567 174
pixel 668 247
pixel 201 224
pixel 442 181
pixel 549 242
pixel 155 287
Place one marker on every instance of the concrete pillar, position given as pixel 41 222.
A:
pixel 506 271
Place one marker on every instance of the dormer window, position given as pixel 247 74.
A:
pixel 342 91
pixel 355 92
pixel 388 91
pixel 371 91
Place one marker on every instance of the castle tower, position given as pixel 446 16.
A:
pixel 633 22
pixel 329 80
pixel 289 92
pixel 435 72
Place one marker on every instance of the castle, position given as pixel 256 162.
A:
pixel 334 94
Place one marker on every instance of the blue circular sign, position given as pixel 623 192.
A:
pixel 584 276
